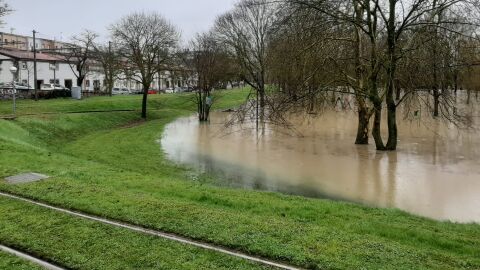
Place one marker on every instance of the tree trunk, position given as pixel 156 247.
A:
pixel 391 73
pixel 398 91
pixel 262 97
pixel 376 129
pixel 109 84
pixel 436 102
pixel 200 105
pixel 391 106
pixel 363 126
pixel 392 127
pixel 144 102
pixel 80 80
pixel 203 106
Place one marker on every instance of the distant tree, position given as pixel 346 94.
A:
pixel 4 10
pixel 246 33
pixel 211 65
pixel 110 60
pixel 80 53
pixel 299 64
pixel 146 42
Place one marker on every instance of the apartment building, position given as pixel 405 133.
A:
pixel 25 43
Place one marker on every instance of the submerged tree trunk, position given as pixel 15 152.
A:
pixel 261 93
pixel 376 129
pixel 398 90
pixel 204 105
pixel 436 102
pixel 363 112
pixel 436 92
pixel 392 127
pixel 363 126
pixel 391 74
pixel 200 105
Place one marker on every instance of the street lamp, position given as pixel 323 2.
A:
pixel 14 70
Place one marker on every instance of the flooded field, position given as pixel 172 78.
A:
pixel 435 172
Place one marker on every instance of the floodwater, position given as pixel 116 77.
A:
pixel 435 172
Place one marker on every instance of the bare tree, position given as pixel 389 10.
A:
pixel 400 19
pixel 246 31
pixel 299 61
pixel 146 41
pixel 111 63
pixel 211 65
pixel 79 54
pixel 4 10
pixel 389 27
pixel 357 29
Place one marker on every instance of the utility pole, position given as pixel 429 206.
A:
pixel 54 73
pixel 109 66
pixel 35 65
pixel 159 73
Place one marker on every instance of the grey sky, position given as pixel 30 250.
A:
pixel 60 19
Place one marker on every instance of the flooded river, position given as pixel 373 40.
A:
pixel 435 172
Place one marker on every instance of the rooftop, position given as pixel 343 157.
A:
pixel 28 55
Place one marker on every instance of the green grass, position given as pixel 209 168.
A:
pixel 103 163
pixel 75 243
pixel 11 262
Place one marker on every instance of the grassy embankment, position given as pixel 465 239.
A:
pixel 12 262
pixel 103 163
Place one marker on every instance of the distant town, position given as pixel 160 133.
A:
pixel 57 68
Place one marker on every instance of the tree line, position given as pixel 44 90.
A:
pixel 390 55
pixel 300 56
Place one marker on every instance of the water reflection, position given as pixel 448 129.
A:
pixel 434 173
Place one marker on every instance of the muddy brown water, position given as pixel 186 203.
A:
pixel 435 172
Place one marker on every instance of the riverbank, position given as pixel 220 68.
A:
pixel 109 164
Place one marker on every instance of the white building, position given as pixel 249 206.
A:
pixel 50 69
pixel 164 80
pixel 53 68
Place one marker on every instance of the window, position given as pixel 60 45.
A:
pixel 96 85
pixel 87 83
pixel 68 83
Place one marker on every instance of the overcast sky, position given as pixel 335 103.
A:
pixel 60 19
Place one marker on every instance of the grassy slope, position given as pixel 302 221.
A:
pixel 76 243
pixel 121 173
pixel 11 262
